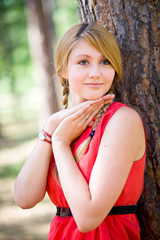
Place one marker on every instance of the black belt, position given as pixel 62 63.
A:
pixel 116 210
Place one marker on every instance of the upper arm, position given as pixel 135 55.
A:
pixel 122 140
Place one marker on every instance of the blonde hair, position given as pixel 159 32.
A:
pixel 100 38
pixel 96 35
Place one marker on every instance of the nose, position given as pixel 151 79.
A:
pixel 94 73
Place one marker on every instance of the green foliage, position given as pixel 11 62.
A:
pixel 16 66
pixel 15 61
pixel 64 15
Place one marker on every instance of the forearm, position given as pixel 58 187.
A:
pixel 74 185
pixel 30 185
pixel 69 173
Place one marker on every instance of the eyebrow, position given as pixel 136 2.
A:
pixel 83 55
pixel 87 56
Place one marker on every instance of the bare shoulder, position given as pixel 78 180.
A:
pixel 126 127
pixel 127 115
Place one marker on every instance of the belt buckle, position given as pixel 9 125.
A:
pixel 64 212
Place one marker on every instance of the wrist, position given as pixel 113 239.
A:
pixel 56 141
pixel 51 124
pixel 45 137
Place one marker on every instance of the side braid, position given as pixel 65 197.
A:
pixel 84 145
pixel 65 86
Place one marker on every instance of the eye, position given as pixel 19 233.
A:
pixel 105 62
pixel 83 62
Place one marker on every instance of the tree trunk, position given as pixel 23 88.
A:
pixel 40 31
pixel 136 25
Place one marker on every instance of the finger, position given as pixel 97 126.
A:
pixel 95 107
pixel 106 99
pixel 80 113
pixel 89 107
pixel 76 108
pixel 97 101
pixel 92 116
pixel 92 110
pixel 91 124
pixel 88 115
pixel 72 110
pixel 108 96
pixel 81 105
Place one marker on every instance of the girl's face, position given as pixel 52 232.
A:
pixel 89 73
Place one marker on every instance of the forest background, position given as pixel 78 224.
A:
pixel 23 104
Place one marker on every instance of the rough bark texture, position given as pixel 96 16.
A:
pixel 40 31
pixel 136 25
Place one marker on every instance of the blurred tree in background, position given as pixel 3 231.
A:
pixel 15 60
pixel 24 53
pixel 15 63
pixel 41 38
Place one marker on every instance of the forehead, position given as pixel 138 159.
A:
pixel 83 47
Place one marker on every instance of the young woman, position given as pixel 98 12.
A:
pixel 90 158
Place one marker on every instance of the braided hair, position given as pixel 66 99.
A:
pixel 84 145
pixel 65 86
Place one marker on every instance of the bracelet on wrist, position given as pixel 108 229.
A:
pixel 45 137
pixel 47 134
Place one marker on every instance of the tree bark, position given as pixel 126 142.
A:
pixel 41 35
pixel 136 26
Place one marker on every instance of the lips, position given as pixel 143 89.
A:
pixel 94 84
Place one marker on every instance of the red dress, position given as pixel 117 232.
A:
pixel 114 227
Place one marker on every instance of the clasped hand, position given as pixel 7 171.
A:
pixel 73 121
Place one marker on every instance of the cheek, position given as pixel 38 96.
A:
pixel 75 79
pixel 74 83
pixel 110 75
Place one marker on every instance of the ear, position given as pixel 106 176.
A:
pixel 64 74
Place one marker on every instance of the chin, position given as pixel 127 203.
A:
pixel 94 97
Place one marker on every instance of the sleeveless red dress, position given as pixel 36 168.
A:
pixel 114 227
